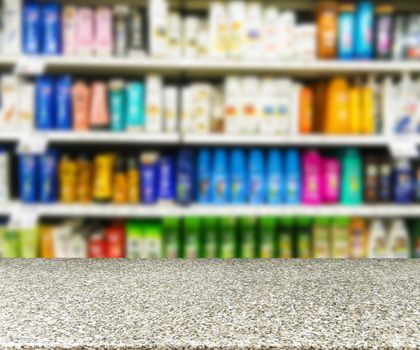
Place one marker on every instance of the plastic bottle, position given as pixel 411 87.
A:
pixel 355 113
pixel 172 239
pixel 385 190
pixel 403 181
pixel 275 177
pixel 399 240
pixel 117 105
pixel 368 109
pixel 321 238
pixel 377 247
pixel 303 239
pixel 371 180
pixel 340 238
pixel 84 179
pixel 51 29
pixel 135 106
pixel 257 177
pixel 327 30
pixel 267 238
pixel 185 177
pixel 285 238
pixel 228 238
pixel 248 237
pixel 358 240
pixel 330 180
pixel 210 233
pixel 81 106
pixel 167 188
pixel 120 183
pixel 220 178
pixel 63 103
pixel 31 18
pixel 383 31
pixel 293 177
pixel 337 110
pixel 102 184
pixel 5 187
pixel 28 189
pixel 67 179
pixel 192 233
pixel 399 39
pixel 238 173
pixel 45 118
pixel 149 177
pixel 48 178
pixel 364 30
pixel 312 168
pixel 351 183
pixel 99 113
pixel 306 113
pixel 346 24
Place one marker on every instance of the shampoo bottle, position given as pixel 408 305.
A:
pixel 185 177
pixel 238 177
pixel 364 30
pixel 275 177
pixel 135 106
pixel 293 177
pixel 403 181
pixel 220 180
pixel 63 103
pixel 377 246
pixel 257 177
pixel 312 167
pixel 330 180
pixel 399 240
pixel 45 118
pixel 204 172
pixel 351 185
pixel 117 105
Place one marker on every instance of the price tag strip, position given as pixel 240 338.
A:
pixel 404 147
pixel 23 217
pixel 32 143
pixel 30 66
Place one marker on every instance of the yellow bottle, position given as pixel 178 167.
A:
pixel 120 187
pixel 355 120
pixel 337 110
pixel 68 179
pixel 368 110
pixel 133 179
pixel 102 188
pixel 84 173
pixel 47 242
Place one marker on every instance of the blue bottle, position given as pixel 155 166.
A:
pixel 63 103
pixel 364 30
pixel 28 190
pixel 135 106
pixel 185 177
pixel 204 171
pixel 45 103
pixel 257 177
pixel 51 29
pixel 48 178
pixel 31 29
pixel 149 175
pixel 275 177
pixel 166 179
pixel 117 106
pixel 346 32
pixel 403 182
pixel 220 177
pixel 238 175
pixel 293 177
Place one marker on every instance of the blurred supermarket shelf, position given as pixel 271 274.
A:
pixel 158 211
pixel 203 67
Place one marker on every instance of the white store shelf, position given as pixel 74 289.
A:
pixel 142 211
pixel 295 140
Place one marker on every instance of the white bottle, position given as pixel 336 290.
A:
pixel 217 30
pixel 191 37
pixel 10 86
pixel 399 240
pixel 405 122
pixel 174 35
pixel 26 107
pixel 154 102
pixel 253 28
pixel 270 33
pixel 286 95
pixel 305 42
pixel 251 105
pixel 12 13
pixel 268 98
pixel 78 248
pixel 377 243
pixel 170 108
pixel 201 97
pixel 186 110
pixel 69 30
pixel 158 20
pixel 4 177
pixel 233 103
pixel 287 35
pixel 236 19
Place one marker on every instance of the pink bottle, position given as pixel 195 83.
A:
pixel 312 167
pixel 330 180
pixel 104 31
pixel 85 31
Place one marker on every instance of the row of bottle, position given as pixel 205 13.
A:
pixel 241 105
pixel 218 177
pixel 244 237
pixel 364 31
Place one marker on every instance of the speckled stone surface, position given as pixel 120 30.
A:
pixel 86 304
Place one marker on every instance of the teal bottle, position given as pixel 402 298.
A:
pixel 351 181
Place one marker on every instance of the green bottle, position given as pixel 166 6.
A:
pixel 192 238
pixel 29 243
pixel 340 238
pixel 210 238
pixel 285 238
pixel 134 239
pixel 321 238
pixel 267 238
pixel 11 244
pixel 247 237
pixel 352 178
pixel 303 238
pixel 172 238
pixel 416 240
pixel 153 241
pixel 228 239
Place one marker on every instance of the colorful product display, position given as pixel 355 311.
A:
pixel 228 237
pixel 220 177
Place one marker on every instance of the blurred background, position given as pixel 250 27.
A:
pixel 209 129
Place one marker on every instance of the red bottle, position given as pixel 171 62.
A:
pixel 115 240
pixel 96 247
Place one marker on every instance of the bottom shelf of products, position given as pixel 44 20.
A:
pixel 212 237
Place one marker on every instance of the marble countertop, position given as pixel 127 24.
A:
pixel 209 304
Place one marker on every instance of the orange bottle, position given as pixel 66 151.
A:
pixel 99 115
pixel 81 106
pixel 327 33
pixel 337 110
pixel 67 179
pixel 120 186
pixel 358 239
pixel 306 113
pixel 85 179
pixel 47 242
pixel 320 91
